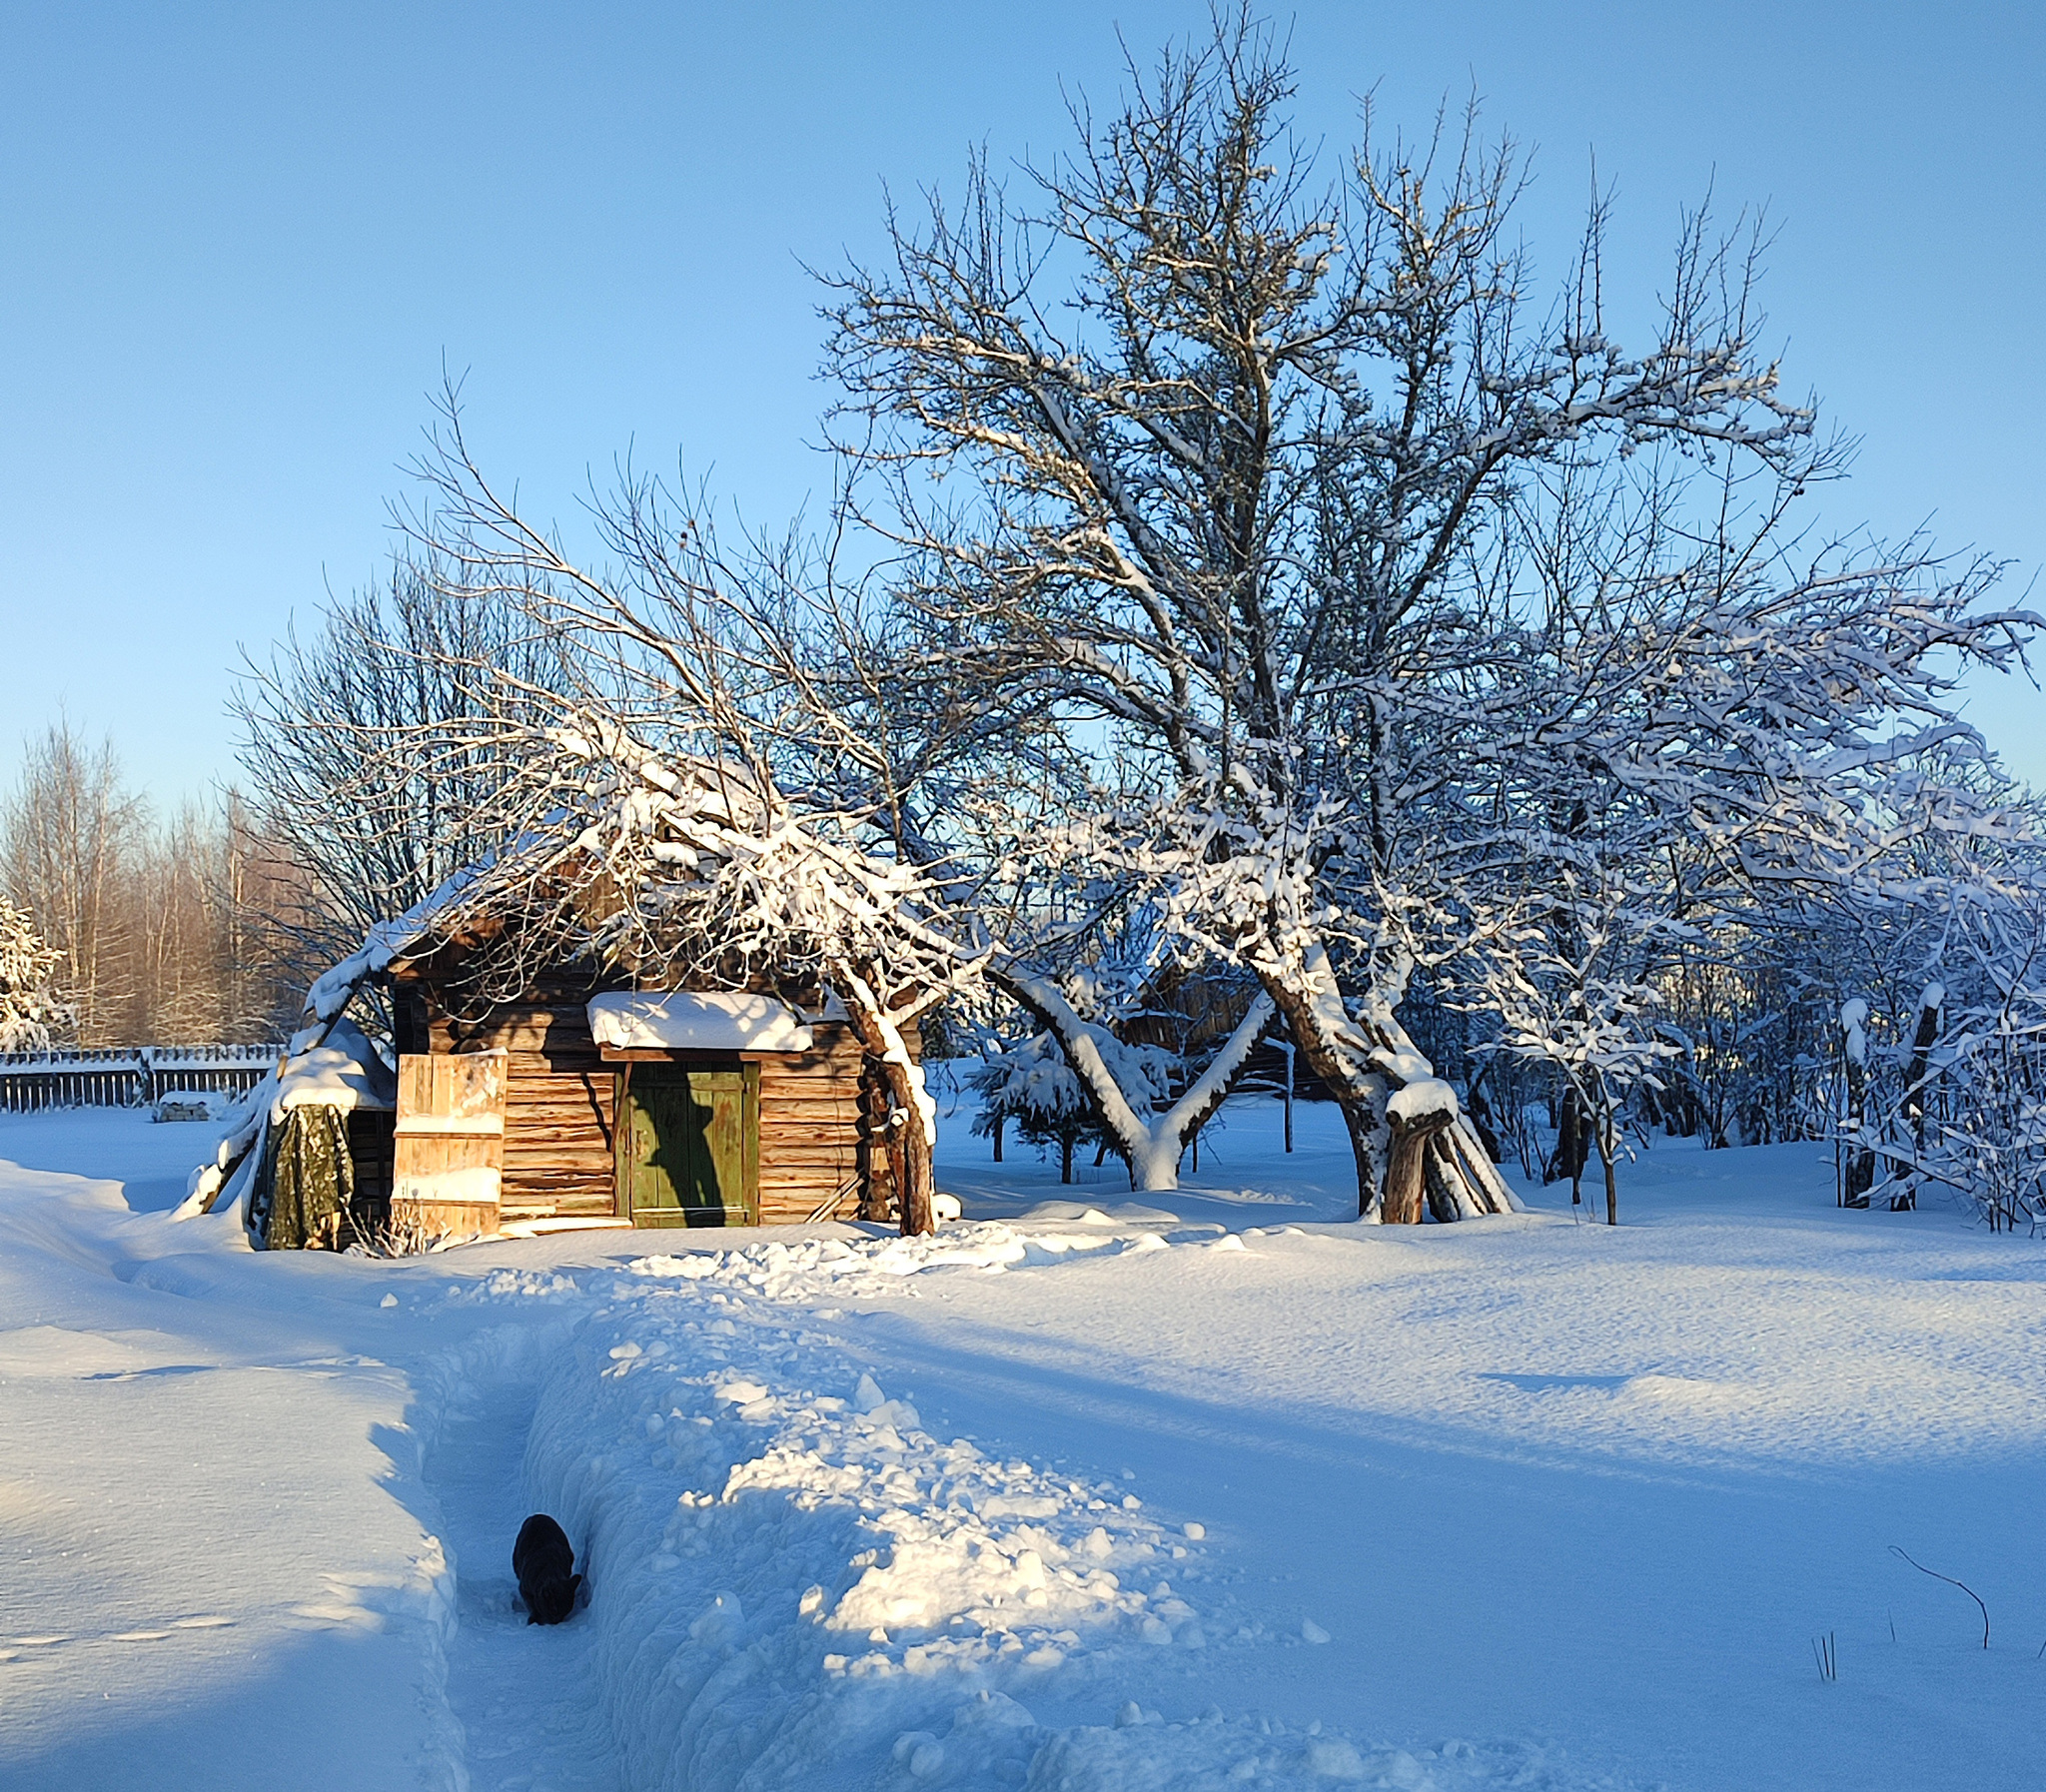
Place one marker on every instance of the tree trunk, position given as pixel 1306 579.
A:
pixel 919 1210
pixel 1365 1130
pixel 1572 1145
pixel 1359 1112
pixel 1471 1186
pixel 1001 1119
pixel 1606 1155
pixel 1916 1076
pixel 1065 1156
pixel 1150 1144
pixel 1859 1175
pixel 909 1121
pixel 911 1153
pixel 1406 1175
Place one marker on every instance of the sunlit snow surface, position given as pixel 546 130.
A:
pixel 1203 1489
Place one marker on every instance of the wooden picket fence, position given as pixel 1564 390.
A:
pixel 128 1076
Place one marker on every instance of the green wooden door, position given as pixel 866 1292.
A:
pixel 690 1146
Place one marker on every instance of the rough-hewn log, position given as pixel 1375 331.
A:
pixel 1407 1173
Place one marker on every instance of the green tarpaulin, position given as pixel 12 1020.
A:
pixel 305 1174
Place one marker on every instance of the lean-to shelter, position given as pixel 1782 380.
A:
pixel 307 1154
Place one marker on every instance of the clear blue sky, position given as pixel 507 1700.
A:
pixel 237 244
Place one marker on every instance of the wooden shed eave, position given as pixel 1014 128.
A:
pixel 652 1054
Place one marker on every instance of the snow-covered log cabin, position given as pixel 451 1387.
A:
pixel 579 1099
pixel 635 1011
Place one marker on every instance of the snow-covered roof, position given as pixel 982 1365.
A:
pixel 334 988
pixel 685 1021
pixel 344 1071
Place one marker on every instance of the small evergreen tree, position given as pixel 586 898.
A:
pixel 1031 1082
pixel 32 1014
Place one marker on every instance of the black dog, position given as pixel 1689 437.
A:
pixel 541 1560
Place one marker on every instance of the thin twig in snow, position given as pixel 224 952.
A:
pixel 1952 1581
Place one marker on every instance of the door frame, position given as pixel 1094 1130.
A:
pixel 749 1125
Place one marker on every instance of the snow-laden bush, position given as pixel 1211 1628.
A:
pixel 1030 1081
pixel 1992 1146
pixel 1949 1087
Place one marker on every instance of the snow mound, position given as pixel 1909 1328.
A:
pixel 814 1267
pixel 788 1570
pixel 1122 1213
pixel 343 1071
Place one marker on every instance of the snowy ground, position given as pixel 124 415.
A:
pixel 1212 1491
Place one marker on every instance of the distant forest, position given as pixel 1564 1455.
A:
pixel 155 918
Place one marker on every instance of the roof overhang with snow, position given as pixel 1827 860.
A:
pixel 683 1021
pixel 344 1071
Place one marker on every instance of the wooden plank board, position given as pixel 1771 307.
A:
pixel 449 1093
pixel 447 1142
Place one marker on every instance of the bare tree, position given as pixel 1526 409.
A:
pixel 704 784
pixel 352 829
pixel 72 831
pixel 1295 493
pixel 181 976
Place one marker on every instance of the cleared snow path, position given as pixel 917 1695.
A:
pixel 797 1583
pixel 527 1696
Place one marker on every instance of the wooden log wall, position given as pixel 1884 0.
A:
pixel 561 1101
pixel 810 1126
